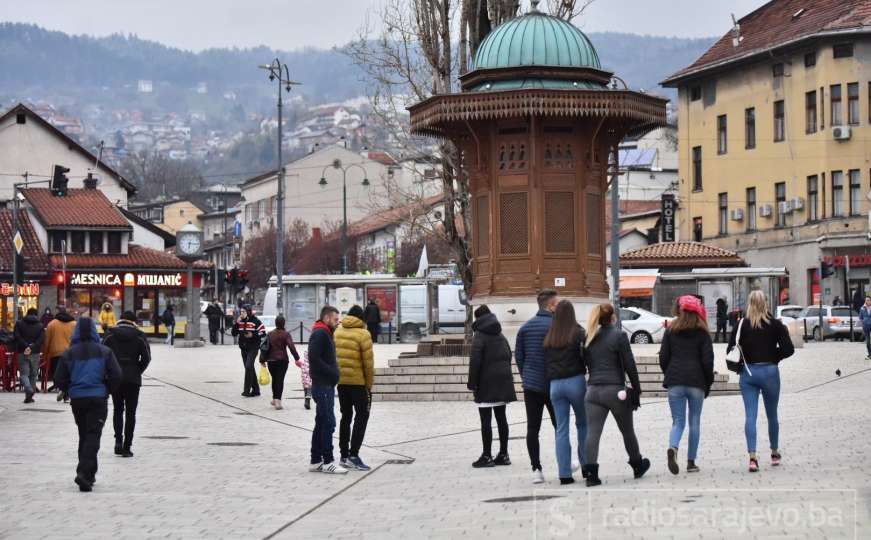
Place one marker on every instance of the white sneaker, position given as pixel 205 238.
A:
pixel 315 467
pixel 537 477
pixel 576 466
pixel 333 468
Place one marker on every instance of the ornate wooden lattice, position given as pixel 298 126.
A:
pixel 594 223
pixel 512 156
pixel 559 155
pixel 514 223
pixel 482 219
pixel 559 222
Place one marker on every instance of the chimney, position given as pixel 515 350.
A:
pixel 316 234
pixel 91 181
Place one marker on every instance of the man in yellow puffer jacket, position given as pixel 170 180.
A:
pixel 357 367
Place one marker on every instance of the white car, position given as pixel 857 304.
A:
pixel 268 321
pixel 643 326
pixel 788 313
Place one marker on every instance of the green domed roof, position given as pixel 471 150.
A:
pixel 536 39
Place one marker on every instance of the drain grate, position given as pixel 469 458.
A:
pixel 400 461
pixel 154 385
pixel 242 413
pixel 164 437
pixel 217 382
pixel 526 498
pixel 232 444
pixel 41 410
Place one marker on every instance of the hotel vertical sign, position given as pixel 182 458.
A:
pixel 669 209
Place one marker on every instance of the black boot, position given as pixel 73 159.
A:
pixel 591 473
pixel 308 403
pixel 640 467
pixel 118 447
pixel 126 452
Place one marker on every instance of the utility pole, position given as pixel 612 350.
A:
pixel 337 164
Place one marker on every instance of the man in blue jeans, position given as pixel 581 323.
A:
pixel 324 373
pixel 865 317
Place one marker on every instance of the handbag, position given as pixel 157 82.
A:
pixel 735 357
pixel 265 346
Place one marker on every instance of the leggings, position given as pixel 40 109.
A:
pixel 277 368
pixel 487 429
pixel 600 400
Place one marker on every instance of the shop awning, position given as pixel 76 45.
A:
pixel 637 286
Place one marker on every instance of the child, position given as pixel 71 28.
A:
pixel 302 364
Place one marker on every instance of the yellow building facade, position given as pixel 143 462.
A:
pixel 774 148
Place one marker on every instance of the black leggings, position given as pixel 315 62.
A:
pixel 487 428
pixel 277 368
pixel 536 402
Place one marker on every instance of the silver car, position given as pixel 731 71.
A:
pixel 836 322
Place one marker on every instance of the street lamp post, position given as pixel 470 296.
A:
pixel 337 164
pixel 279 72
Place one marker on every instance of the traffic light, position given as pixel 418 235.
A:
pixel 230 277
pixel 243 279
pixel 59 180
pixel 826 269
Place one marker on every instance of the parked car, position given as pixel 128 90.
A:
pixel 268 321
pixel 643 326
pixel 836 322
pixel 788 313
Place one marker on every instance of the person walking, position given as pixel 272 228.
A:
pixel 865 318
pixel 610 362
pixel 722 319
pixel 858 299
pixel 277 360
pixel 29 336
pixel 529 355
pixel 566 367
pixel 686 357
pixel 168 320
pixel 58 337
pixel 764 342
pixel 47 317
pixel 213 315
pixel 107 317
pixel 88 372
pixel 372 316
pixel 131 350
pixel 250 332
pixel 356 375
pixel 492 383
pixel 325 376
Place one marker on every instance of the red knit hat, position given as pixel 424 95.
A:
pixel 692 304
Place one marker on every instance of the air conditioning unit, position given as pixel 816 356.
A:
pixel 737 214
pixel 765 210
pixel 784 207
pixel 841 133
pixel 798 203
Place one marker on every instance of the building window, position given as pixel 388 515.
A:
pixel 810 59
pixel 810 110
pixel 822 108
pixel 77 242
pixel 837 194
pixel 697 229
pixel 855 192
pixel 751 209
pixel 58 239
pixel 695 93
pixel 780 197
pixel 837 110
pixel 842 50
pixel 750 128
pixel 779 121
pixel 853 104
pixel 721 134
pixel 723 203
pixel 114 242
pixel 95 239
pixel 247 213
pixel 813 198
pixel 777 70
pixel 697 168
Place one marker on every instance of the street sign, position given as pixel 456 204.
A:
pixel 18 242
pixel 668 217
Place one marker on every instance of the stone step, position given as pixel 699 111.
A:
pixel 456 378
pixel 403 361
pixel 467 396
pixel 427 370
pixel 406 387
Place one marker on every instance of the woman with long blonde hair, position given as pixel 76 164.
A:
pixel 610 362
pixel 763 344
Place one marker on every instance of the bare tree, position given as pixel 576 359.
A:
pixel 155 175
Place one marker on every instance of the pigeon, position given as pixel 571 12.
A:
pixel 838 372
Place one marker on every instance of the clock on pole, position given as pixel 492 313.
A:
pixel 189 248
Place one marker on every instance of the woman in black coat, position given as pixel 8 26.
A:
pixel 491 380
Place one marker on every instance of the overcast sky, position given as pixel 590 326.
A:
pixel 293 24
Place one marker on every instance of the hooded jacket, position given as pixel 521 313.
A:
pixel 58 335
pixel 490 376
pixel 29 333
pixel 214 313
pixel 322 356
pixel 354 353
pixel 107 317
pixel 131 350
pixel 87 369
pixel 568 361
pixel 529 351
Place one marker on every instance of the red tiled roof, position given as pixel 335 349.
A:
pixel 376 222
pixel 136 257
pixel 382 157
pixel 629 208
pixel 81 207
pixel 775 24
pixel 36 260
pixel 679 254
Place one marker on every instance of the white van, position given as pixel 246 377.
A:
pixel 449 319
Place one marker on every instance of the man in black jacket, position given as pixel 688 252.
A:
pixel 133 354
pixel 324 371
pixel 722 317
pixel 213 314
pixel 29 334
pixel 372 316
